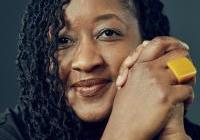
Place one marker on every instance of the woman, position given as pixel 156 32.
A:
pixel 85 73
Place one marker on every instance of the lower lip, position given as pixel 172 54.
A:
pixel 90 91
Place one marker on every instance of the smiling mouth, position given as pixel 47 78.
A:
pixel 90 87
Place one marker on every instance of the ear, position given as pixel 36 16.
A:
pixel 49 34
pixel 51 66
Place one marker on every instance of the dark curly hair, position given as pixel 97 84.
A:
pixel 45 113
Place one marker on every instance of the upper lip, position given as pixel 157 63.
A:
pixel 90 82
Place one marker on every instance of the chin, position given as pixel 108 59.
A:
pixel 95 108
pixel 94 116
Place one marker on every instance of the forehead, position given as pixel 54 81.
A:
pixel 95 5
pixel 88 9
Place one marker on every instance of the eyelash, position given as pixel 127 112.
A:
pixel 115 35
pixel 63 42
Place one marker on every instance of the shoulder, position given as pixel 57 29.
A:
pixel 193 130
pixel 11 126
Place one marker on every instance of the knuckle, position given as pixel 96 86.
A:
pixel 123 65
pixel 181 52
pixel 183 44
pixel 190 90
pixel 163 96
pixel 121 70
pixel 159 40
pixel 139 66
pixel 146 67
pixel 142 69
pixel 162 90
pixel 127 61
pixel 179 44
pixel 186 53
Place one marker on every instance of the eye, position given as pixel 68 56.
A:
pixel 64 42
pixel 109 35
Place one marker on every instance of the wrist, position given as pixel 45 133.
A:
pixel 118 131
pixel 176 136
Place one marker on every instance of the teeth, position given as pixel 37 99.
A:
pixel 83 89
pixel 89 91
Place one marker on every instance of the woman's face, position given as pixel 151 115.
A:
pixel 98 35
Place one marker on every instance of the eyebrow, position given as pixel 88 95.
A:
pixel 107 17
pixel 100 18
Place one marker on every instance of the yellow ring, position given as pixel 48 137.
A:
pixel 182 68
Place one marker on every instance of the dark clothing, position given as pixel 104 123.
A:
pixel 12 126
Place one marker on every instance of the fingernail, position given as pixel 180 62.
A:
pixel 128 61
pixel 123 77
pixel 118 88
pixel 185 45
pixel 118 81
pixel 145 42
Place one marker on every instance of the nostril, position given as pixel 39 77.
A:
pixel 87 60
pixel 76 68
pixel 86 67
pixel 96 67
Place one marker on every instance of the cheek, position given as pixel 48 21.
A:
pixel 64 63
pixel 114 56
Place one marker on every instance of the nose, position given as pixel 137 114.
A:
pixel 87 59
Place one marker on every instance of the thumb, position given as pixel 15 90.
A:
pixel 158 47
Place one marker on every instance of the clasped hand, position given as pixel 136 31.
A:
pixel 149 100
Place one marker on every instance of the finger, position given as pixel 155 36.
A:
pixel 174 41
pixel 172 55
pixel 173 80
pixel 131 59
pixel 189 83
pixel 181 93
pixel 159 46
pixel 128 63
pixel 121 80
pixel 166 76
pixel 189 101
pixel 145 42
pixel 178 113
pixel 163 60
pixel 185 45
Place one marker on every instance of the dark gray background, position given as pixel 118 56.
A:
pixel 185 24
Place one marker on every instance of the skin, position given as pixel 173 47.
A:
pixel 85 51
pixel 174 127
pixel 79 61
pixel 165 100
